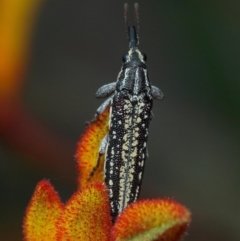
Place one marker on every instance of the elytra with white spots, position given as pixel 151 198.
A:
pixel 125 146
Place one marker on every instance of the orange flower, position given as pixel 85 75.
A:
pixel 17 125
pixel 156 219
pixel 42 213
pixel 16 21
pixel 86 217
pixel 87 151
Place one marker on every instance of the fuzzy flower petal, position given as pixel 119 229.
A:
pixel 152 220
pixel 42 214
pixel 86 216
pixel 88 151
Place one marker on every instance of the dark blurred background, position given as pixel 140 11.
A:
pixel 193 50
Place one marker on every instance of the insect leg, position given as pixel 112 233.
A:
pixel 106 90
pixel 147 154
pixel 157 93
pixel 102 149
pixel 102 108
pixel 103 145
pixel 151 116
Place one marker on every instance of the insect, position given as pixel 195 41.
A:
pixel 130 99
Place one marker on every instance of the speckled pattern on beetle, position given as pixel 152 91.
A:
pixel 125 146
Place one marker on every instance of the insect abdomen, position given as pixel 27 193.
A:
pixel 126 151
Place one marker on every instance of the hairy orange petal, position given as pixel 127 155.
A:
pixel 42 213
pixel 86 216
pixel 88 148
pixel 157 219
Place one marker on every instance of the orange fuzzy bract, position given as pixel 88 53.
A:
pixel 42 214
pixel 158 219
pixel 86 216
pixel 88 148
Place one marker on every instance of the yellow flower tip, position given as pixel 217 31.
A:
pixel 88 151
pixel 157 219
pixel 42 213
pixel 86 216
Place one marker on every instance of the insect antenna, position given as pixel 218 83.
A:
pixel 136 10
pixel 132 31
pixel 125 7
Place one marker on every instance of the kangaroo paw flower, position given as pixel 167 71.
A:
pixel 42 213
pixel 152 220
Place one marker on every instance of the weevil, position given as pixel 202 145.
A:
pixel 130 99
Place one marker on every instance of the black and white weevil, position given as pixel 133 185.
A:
pixel 125 145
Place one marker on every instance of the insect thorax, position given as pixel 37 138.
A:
pixel 134 80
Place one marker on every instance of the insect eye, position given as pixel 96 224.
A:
pixel 144 57
pixel 124 57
